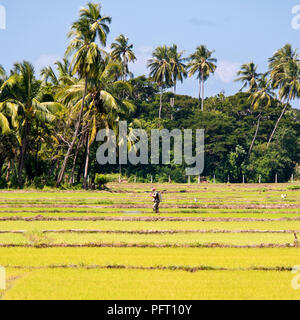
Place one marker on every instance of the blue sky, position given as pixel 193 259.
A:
pixel 238 30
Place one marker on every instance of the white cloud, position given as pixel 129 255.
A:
pixel 45 61
pixel 226 71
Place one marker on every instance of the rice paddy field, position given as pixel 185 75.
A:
pixel 209 242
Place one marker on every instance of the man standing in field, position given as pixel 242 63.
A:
pixel 156 200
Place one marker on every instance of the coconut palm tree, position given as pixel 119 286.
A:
pixel 103 102
pixel 123 51
pixel 203 65
pixel 178 68
pixel 105 105
pixel 23 91
pixel 280 58
pixel 161 70
pixel 85 57
pixel 283 67
pixel 260 99
pixel 99 24
pixel 287 79
pixel 248 75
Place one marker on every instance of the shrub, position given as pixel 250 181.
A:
pixel 101 180
pixel 75 187
pixel 114 177
pixel 3 183
pixel 13 182
pixel 37 183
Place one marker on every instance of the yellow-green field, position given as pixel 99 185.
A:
pixel 210 242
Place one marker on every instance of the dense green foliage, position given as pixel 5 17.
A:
pixel 229 123
pixel 48 127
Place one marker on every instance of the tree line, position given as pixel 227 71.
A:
pixel 49 123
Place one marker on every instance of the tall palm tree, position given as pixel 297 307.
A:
pixel 287 79
pixel 86 55
pixel 248 75
pixel 202 64
pixel 178 68
pixel 99 24
pixel 23 90
pixel 260 99
pixel 161 70
pixel 280 65
pixel 106 104
pixel 280 58
pixel 103 102
pixel 123 51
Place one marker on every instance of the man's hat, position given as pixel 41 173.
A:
pixel 153 189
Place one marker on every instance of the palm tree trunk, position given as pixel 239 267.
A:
pixel 199 90
pixel 86 168
pixel 277 123
pixel 74 162
pixel 23 150
pixel 21 163
pixel 160 107
pixel 63 168
pixel 8 171
pixel 125 68
pixel 255 136
pixel 202 103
